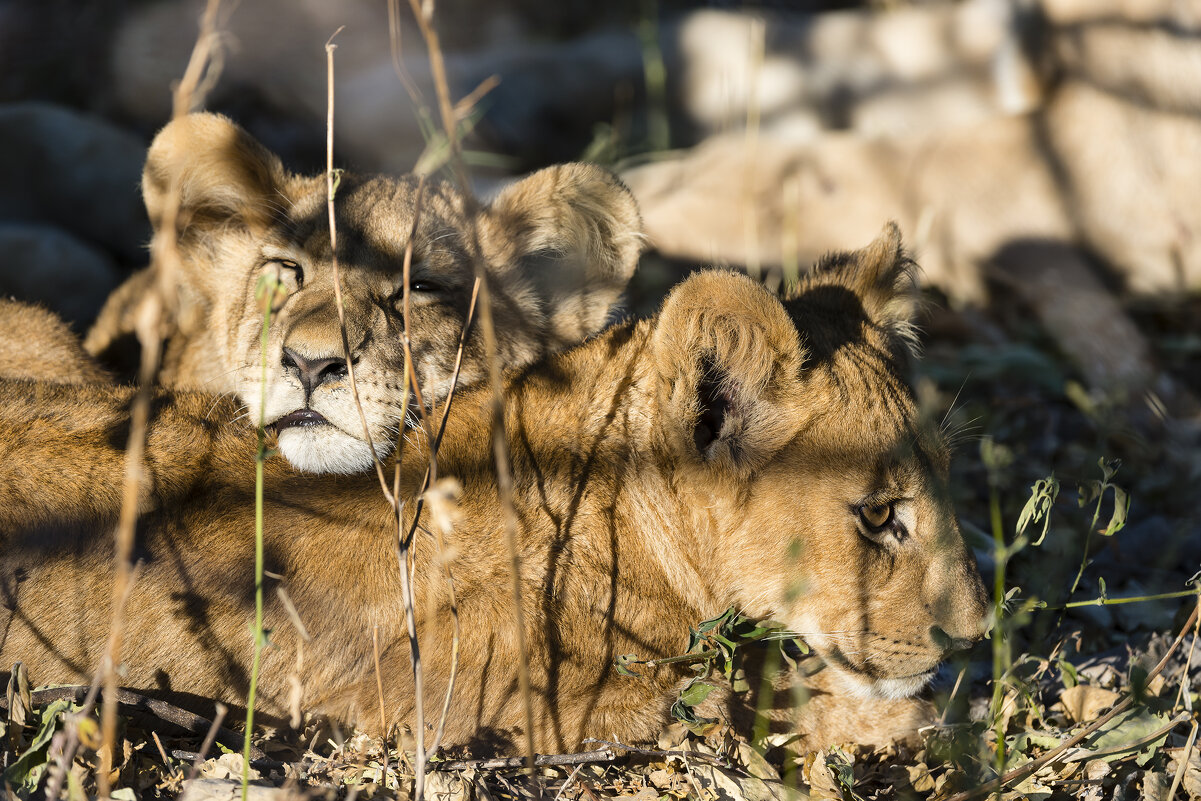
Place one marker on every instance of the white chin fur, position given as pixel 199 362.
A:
pixel 903 687
pixel 325 449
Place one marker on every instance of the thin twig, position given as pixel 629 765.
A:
pixel 540 760
pixel 1021 772
pixel 425 484
pixel 379 688
pixel 156 307
pixel 331 187
pixel 500 445
pixel 454 641
pixel 391 496
pixel 207 743
pixel 409 366
pixel 716 760
pixel 567 782
pixel 1184 758
pixel 163 753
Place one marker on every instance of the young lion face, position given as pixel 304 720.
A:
pixel 557 250
pixel 795 426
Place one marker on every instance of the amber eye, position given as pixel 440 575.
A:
pixel 876 517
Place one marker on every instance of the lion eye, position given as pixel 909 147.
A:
pixel 876 517
pixel 287 266
pixel 277 280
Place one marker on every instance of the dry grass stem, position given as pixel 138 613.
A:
pixel 1183 759
pixel 392 495
pixel 424 13
pixel 58 773
pixel 411 381
pixel 199 75
pixel 397 62
pixel 331 185
pixel 379 687
pixel 209 738
pixel 444 514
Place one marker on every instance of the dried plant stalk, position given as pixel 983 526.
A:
pixel 424 13
pixel 199 75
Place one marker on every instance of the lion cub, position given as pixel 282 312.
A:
pixel 735 450
pixel 558 249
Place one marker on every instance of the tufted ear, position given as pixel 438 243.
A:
pixel 729 361
pixel 572 231
pixel 880 276
pixel 221 174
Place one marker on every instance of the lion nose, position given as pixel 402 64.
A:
pixel 948 643
pixel 313 372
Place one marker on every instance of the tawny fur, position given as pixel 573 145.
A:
pixel 558 249
pixel 631 527
pixel 36 344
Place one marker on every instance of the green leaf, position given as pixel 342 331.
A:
pixel 1067 673
pixel 622 665
pixel 337 181
pixel 1128 729
pixel 1121 507
pixel 28 769
pixel 1042 497
pixel 738 681
pixel 695 693
pixel 1109 467
pixel 761 629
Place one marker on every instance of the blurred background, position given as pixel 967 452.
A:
pixel 1043 158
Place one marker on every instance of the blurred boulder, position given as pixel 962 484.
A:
pixel 273 71
pixel 74 171
pixel 45 264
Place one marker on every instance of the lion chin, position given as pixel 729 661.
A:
pixel 325 449
pixel 896 688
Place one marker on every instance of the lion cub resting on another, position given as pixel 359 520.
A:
pixel 735 450
pixel 558 248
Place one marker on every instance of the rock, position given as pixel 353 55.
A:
pixel 74 171
pixel 47 265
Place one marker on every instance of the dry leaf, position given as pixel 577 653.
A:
pixel 920 778
pixel 446 786
pixel 729 786
pixel 1085 702
pixel 823 783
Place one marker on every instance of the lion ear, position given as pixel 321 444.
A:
pixel 573 232
pixel 729 361
pixel 219 173
pixel 881 276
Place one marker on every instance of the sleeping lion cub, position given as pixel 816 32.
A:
pixel 558 248
pixel 735 450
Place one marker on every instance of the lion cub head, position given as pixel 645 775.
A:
pixel 558 250
pixel 800 448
